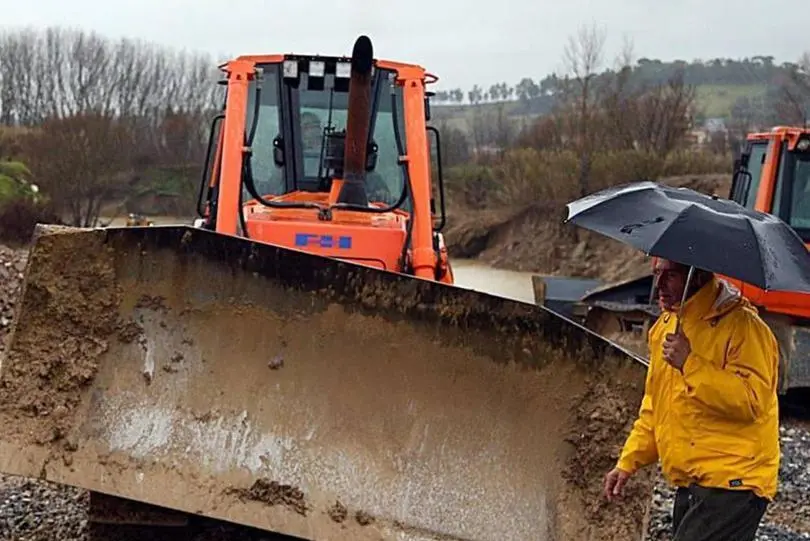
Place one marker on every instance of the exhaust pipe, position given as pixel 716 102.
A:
pixel 353 190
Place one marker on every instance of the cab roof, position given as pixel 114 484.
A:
pixel 404 69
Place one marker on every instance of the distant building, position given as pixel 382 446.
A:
pixel 697 138
pixel 713 129
pixel 714 125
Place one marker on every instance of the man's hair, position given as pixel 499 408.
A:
pixel 700 277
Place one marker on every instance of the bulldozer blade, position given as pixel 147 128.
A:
pixel 274 388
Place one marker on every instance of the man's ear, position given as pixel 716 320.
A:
pixel 702 278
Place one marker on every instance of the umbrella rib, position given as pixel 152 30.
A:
pixel 665 229
pixel 759 248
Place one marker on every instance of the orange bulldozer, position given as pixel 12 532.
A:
pixel 299 361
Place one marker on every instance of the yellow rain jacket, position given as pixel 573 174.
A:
pixel 716 424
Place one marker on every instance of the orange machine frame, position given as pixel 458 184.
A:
pixel 780 302
pixel 377 239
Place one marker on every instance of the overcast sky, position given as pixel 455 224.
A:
pixel 462 41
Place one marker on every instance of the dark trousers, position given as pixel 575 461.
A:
pixel 715 514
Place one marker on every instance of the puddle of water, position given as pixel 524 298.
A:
pixel 504 283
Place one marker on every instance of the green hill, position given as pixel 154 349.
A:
pixel 713 101
pixel 720 83
pixel 718 100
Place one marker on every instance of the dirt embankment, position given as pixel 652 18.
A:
pixel 532 238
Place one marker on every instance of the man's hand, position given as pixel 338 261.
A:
pixel 614 483
pixel 676 350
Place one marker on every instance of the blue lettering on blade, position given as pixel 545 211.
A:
pixel 341 242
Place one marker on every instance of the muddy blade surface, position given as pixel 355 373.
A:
pixel 297 394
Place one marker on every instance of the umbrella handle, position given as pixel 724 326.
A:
pixel 683 298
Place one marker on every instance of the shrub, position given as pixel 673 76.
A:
pixel 19 216
pixel 547 179
pixel 470 184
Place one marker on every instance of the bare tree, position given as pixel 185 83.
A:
pixel 77 160
pixel 651 118
pixel 793 105
pixel 627 55
pixel 742 121
pixel 583 58
pixel 62 73
pixel 665 115
pixel 153 102
pixel 618 102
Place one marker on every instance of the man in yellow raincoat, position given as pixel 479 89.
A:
pixel 710 409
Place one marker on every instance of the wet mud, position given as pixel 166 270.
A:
pixel 604 415
pixel 338 512
pixel 12 271
pixel 69 319
pixel 274 493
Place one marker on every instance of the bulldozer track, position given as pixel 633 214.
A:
pixel 198 529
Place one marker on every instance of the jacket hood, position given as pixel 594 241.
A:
pixel 727 298
pixel 718 298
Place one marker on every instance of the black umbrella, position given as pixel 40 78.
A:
pixel 717 235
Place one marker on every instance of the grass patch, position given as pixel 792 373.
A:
pixel 717 100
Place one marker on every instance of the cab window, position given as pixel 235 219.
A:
pixel 748 197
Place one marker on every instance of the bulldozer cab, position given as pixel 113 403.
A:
pixel 308 123
pixel 293 116
pixel 791 190
pixel 773 176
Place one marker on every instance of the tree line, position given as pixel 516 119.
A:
pixel 633 95
pixel 757 70
pixel 604 127
pixel 787 102
pixel 95 118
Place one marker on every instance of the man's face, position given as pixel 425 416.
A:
pixel 671 278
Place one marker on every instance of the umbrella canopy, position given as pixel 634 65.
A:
pixel 699 230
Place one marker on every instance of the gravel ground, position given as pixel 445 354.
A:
pixel 787 518
pixel 12 267
pixel 38 511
